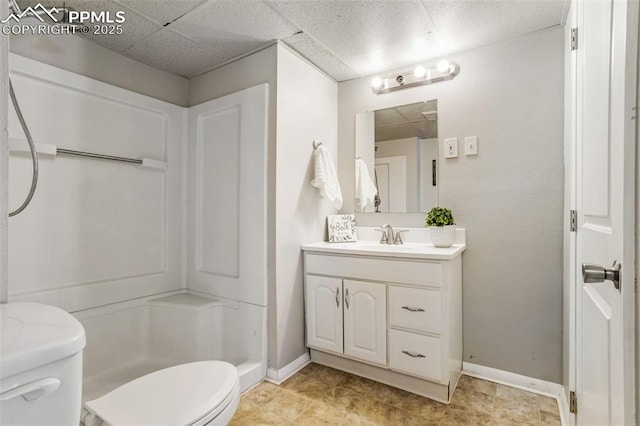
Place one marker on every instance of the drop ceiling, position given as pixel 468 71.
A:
pixel 345 38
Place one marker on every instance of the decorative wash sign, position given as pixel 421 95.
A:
pixel 342 228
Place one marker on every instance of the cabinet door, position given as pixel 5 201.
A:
pixel 323 311
pixel 365 321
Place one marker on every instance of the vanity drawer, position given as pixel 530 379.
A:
pixel 375 269
pixel 415 354
pixel 415 308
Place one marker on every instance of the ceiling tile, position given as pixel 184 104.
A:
pixel 162 11
pixel 462 24
pixel 318 55
pixel 134 29
pixel 421 49
pixel 173 52
pixel 345 38
pixel 350 28
pixel 234 27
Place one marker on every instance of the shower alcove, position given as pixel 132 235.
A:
pixel 161 265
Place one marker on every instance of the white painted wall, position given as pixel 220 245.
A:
pixel 307 110
pixel 509 197
pixel 4 156
pixel 81 56
pixel 97 231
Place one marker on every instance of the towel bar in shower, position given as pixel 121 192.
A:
pixel 17 145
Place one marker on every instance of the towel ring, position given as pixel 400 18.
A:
pixel 316 144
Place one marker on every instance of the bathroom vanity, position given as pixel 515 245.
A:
pixel 391 313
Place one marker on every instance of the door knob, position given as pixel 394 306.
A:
pixel 596 274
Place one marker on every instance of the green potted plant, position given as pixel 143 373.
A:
pixel 442 226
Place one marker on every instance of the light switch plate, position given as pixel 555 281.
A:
pixel 451 148
pixel 471 145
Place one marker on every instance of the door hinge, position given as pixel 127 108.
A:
pixel 573 220
pixel 574 38
pixel 573 402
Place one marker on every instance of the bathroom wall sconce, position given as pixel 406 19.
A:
pixel 445 70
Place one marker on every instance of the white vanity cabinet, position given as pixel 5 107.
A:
pixel 347 317
pixel 323 306
pixel 365 321
pixel 393 316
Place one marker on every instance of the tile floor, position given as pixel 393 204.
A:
pixel 320 395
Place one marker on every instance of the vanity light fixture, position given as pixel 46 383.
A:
pixel 444 70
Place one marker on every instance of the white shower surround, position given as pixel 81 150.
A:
pixel 109 280
pixel 130 339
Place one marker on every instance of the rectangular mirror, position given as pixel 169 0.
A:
pixel 399 147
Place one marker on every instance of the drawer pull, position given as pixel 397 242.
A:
pixel 346 299
pixel 337 297
pixel 412 355
pixel 413 309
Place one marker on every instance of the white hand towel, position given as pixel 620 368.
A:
pixel 326 179
pixel 365 188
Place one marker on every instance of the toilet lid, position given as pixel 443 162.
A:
pixel 178 395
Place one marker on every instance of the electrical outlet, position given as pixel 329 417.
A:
pixel 471 145
pixel 451 148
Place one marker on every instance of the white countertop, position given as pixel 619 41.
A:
pixel 374 248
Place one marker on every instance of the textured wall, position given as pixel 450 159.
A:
pixel 509 197
pixel 307 110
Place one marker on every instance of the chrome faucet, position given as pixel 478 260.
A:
pixel 387 234
pixel 389 237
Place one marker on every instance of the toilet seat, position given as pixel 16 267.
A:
pixel 188 394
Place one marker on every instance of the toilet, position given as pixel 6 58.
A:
pixel 197 393
pixel 40 365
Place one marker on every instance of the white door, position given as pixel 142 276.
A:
pixel 365 321
pixel 392 183
pixel 323 311
pixel 607 35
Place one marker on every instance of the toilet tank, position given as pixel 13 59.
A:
pixel 40 365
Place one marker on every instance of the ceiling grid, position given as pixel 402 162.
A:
pixel 345 38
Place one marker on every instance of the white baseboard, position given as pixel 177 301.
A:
pixel 514 380
pixel 566 417
pixel 280 376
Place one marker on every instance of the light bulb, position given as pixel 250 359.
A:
pixel 376 83
pixel 419 72
pixel 444 66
